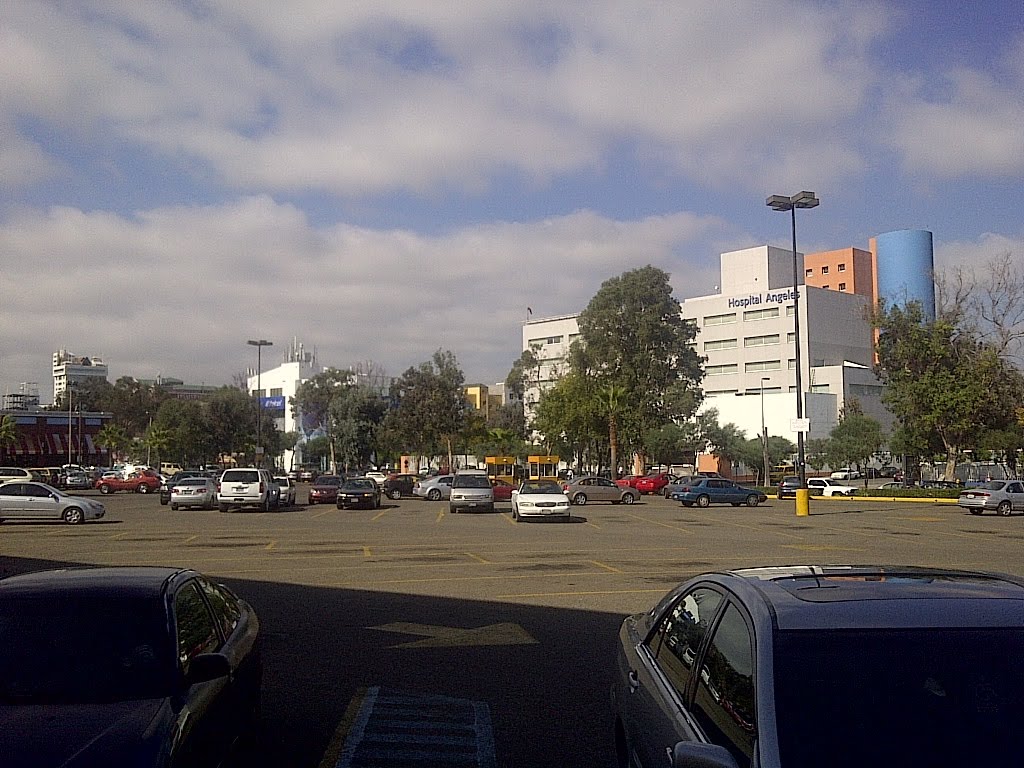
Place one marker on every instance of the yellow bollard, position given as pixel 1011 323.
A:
pixel 803 502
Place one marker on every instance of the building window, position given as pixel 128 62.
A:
pixel 792 363
pixel 720 319
pixel 721 370
pixel 791 337
pixel 824 270
pixel 711 346
pixel 808 272
pixel 819 387
pixel 761 341
pixel 790 310
pixel 761 314
pixel 276 391
pixel 825 287
pixel 763 365
pixel 842 286
pixel 710 392
pixel 842 267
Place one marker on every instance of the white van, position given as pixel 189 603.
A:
pixel 14 473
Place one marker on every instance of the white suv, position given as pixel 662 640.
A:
pixel 248 487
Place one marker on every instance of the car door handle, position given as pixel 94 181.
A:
pixel 634 681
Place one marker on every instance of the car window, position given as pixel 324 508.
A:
pixel 446 480
pixel 11 489
pixel 37 491
pixel 677 640
pixel 471 481
pixel 191 481
pixel 1015 488
pixel 196 630
pixel 605 483
pixel 540 486
pixel 241 476
pixel 724 703
pixel 225 606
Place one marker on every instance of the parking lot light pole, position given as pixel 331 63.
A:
pixel 783 203
pixel 764 436
pixel 259 344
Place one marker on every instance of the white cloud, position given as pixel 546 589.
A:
pixel 178 290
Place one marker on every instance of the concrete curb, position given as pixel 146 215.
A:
pixel 922 499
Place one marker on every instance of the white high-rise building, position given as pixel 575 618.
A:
pixel 74 368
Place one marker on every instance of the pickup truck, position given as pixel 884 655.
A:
pixel 146 481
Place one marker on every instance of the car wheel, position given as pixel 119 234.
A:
pixel 265 506
pixel 580 499
pixel 174 507
pixel 143 488
pixel 434 494
pixel 452 510
pixel 1004 508
pixel 73 516
pixel 628 498
pixel 395 494
pixel 104 489
pixel 163 502
pixel 752 500
pixel 703 500
pixel 223 507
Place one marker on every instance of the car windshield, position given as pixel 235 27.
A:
pixel 933 697
pixel 82 649
pixel 471 481
pixel 359 485
pixel 328 480
pixel 541 487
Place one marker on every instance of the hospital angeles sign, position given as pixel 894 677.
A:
pixel 759 299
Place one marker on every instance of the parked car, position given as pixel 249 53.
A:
pixel 540 498
pixel 194 492
pixel 1000 496
pixel 145 481
pixel 828 487
pixel 704 491
pixel 287 493
pixel 888 470
pixel 324 489
pixel 20 500
pixel 434 488
pixel 165 671
pixel 629 481
pixel 378 477
pixel 76 481
pixel 166 485
pixel 503 491
pixel 246 487
pixel 786 666
pixel 308 474
pixel 788 487
pixel 593 488
pixel 654 482
pixel 400 484
pixel 11 473
pixel 846 473
pixel 358 492
pixel 471 491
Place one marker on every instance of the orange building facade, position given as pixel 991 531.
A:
pixel 847 270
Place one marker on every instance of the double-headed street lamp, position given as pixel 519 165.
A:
pixel 784 203
pixel 260 344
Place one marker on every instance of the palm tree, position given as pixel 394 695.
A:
pixel 157 440
pixel 114 438
pixel 8 433
pixel 612 403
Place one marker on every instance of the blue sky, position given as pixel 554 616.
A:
pixel 382 180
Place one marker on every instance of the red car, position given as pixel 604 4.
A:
pixel 502 490
pixel 324 490
pixel 654 483
pixel 146 481
pixel 629 481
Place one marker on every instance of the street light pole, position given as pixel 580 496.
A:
pixel 783 203
pixel 764 435
pixel 259 344
pixel 69 421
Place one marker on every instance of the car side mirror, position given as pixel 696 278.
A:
pixel 690 754
pixel 206 667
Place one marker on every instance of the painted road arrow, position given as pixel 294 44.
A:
pixel 450 637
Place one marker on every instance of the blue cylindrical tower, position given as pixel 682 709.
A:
pixel 906 269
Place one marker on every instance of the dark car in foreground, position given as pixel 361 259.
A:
pixel 808 666
pixel 133 666
pixel 704 491
pixel 358 492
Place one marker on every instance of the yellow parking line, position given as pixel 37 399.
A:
pixel 366 552
pixel 440 515
pixel 477 558
pixel 331 754
pixel 607 567
pixel 379 515
pixel 508 519
pixel 593 525
pixel 321 514
pixel 190 539
pixel 658 522
pixel 271 545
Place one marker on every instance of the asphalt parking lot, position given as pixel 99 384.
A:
pixel 470 639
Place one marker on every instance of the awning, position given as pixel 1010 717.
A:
pixel 52 443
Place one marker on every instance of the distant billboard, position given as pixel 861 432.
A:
pixel 275 403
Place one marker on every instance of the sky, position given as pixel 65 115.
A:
pixel 380 180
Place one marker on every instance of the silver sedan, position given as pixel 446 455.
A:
pixel 194 492
pixel 39 501
pixel 434 488
pixel 1001 496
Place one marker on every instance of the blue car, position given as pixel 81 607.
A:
pixel 704 491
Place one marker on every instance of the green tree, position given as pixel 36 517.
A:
pixel 356 413
pixel 431 408
pixel 157 440
pixel 232 422
pixel 633 337
pixel 525 373
pixel 115 439
pixel 314 398
pixel 569 417
pixel 854 441
pixel 727 441
pixel 942 384
pixel 8 433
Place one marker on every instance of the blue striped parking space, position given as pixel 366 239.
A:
pixel 394 728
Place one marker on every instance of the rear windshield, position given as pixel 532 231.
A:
pixel 471 481
pixel 191 481
pixel 241 476
pixel 933 697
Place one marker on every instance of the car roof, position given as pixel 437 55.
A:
pixel 821 597
pixel 135 580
